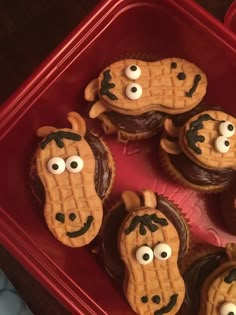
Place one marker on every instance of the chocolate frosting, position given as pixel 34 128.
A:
pixel 150 121
pixel 103 173
pixel 194 278
pixel 111 225
pixel 201 176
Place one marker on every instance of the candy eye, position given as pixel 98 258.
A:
pixel 134 91
pixel 227 129
pixel 222 144
pixel 144 255
pixel 162 251
pixel 228 309
pixel 74 164
pixel 133 72
pixel 56 165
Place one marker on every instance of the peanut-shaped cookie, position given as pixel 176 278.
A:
pixel 66 166
pixel 149 245
pixel 134 87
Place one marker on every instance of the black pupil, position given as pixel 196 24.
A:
pixel 173 65
pixel 145 257
pixel 133 68
pixel 231 313
pixel 73 164
pixel 230 127
pixel 163 254
pixel 134 89
pixel 55 166
pixel 226 143
pixel 181 76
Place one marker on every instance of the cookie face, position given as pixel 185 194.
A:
pixel 149 246
pixel 219 294
pixel 133 87
pixel 209 139
pixel 66 165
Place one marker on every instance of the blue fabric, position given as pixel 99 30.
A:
pixel 10 301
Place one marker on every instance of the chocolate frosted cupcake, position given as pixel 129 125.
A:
pixel 228 208
pixel 200 152
pixel 133 97
pixel 113 220
pixel 209 273
pixel 74 176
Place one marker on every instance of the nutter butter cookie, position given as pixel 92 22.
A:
pixel 201 153
pixel 209 273
pixel 133 97
pixel 66 166
pixel 149 245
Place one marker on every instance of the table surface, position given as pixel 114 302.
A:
pixel 29 31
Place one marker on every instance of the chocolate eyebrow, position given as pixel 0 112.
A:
pixel 106 85
pixel 231 276
pixel 58 136
pixel 145 221
pixel 191 134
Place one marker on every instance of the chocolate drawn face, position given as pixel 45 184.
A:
pixel 149 246
pixel 66 166
pixel 133 86
pixel 219 293
pixel 209 138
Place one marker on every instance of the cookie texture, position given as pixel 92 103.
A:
pixel 65 164
pixel 149 245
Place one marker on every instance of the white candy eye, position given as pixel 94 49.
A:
pixel 134 91
pixel 74 164
pixel 56 165
pixel 227 129
pixel 162 251
pixel 144 255
pixel 222 144
pixel 133 72
pixel 228 309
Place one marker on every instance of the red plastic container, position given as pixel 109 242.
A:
pixel 230 17
pixel 165 28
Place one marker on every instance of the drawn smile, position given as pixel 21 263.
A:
pixel 83 230
pixel 196 81
pixel 168 307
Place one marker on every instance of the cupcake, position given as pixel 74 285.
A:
pixel 200 153
pixel 133 97
pixel 209 273
pixel 228 208
pixel 72 172
pixel 114 218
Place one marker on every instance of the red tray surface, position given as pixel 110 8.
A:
pixel 116 28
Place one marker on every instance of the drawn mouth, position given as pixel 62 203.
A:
pixel 168 307
pixel 196 81
pixel 83 230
